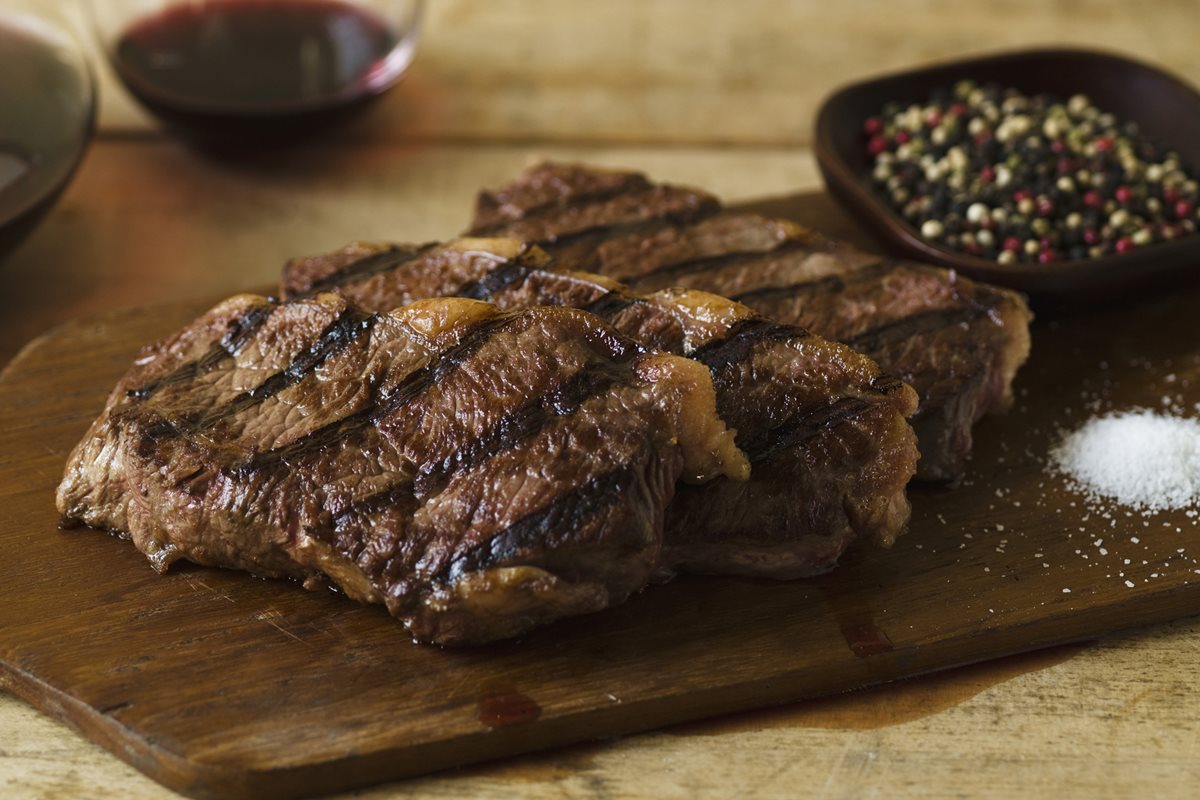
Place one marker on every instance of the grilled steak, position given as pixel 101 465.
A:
pixel 826 433
pixel 958 342
pixel 477 471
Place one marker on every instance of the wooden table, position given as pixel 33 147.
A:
pixel 722 96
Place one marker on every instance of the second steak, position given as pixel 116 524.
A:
pixel 825 432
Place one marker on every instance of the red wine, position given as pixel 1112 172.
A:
pixel 46 119
pixel 229 68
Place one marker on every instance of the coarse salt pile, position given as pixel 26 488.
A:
pixel 1138 458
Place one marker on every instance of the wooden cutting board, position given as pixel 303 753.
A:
pixel 221 685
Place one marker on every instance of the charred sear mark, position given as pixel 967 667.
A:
pixel 739 342
pixel 802 427
pixel 240 331
pixel 399 496
pixel 365 267
pixel 408 390
pixel 650 220
pixel 489 204
pixel 711 262
pixel 886 384
pixel 567 512
pixel 916 325
pixel 509 431
pixel 612 302
pixel 339 334
pixel 511 272
pixel 521 424
pixel 829 284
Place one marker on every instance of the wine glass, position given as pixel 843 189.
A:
pixel 47 114
pixel 248 69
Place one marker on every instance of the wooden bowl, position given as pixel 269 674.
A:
pixel 1166 109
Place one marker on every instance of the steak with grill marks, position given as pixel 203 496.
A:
pixel 826 433
pixel 959 343
pixel 477 471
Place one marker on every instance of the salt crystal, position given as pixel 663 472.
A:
pixel 1129 584
pixel 1140 458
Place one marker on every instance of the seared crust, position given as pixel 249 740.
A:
pixel 477 471
pixel 959 343
pixel 826 432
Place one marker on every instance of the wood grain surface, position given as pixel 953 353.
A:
pixel 668 72
pixel 221 685
pixel 723 99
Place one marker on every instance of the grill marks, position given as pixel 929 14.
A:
pixel 337 336
pixel 739 342
pixel 438 369
pixel 919 324
pixel 567 511
pixel 514 429
pixel 508 274
pixel 826 284
pixel 655 214
pixel 804 426
pixel 737 345
pixel 711 262
pixel 612 302
pixel 366 266
pixel 522 424
pixel 614 214
pixel 494 210
pixel 548 453
pixel 240 332
pixel 343 331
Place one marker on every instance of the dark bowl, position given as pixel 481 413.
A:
pixel 47 119
pixel 1166 108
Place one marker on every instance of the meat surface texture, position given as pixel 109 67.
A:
pixel 826 433
pixel 477 471
pixel 957 342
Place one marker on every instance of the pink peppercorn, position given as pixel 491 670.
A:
pixel 1124 195
pixel 1182 209
pixel 1124 244
pixel 1092 198
pixel 872 126
pixel 877 145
